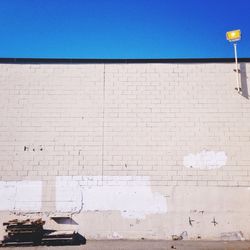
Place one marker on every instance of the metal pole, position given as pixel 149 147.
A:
pixel 236 64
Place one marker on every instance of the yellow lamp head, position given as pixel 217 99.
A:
pixel 233 36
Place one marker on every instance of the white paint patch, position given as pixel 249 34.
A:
pixel 114 236
pixel 205 160
pixel 68 196
pixel 21 196
pixel 132 196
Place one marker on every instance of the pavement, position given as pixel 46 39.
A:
pixel 147 245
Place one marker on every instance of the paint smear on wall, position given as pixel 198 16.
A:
pixel 133 198
pixel 205 160
pixel 20 196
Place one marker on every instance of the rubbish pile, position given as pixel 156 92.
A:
pixel 52 237
pixel 24 232
pixel 31 232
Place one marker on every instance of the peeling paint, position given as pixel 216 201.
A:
pixel 205 160
pixel 21 196
pixel 131 200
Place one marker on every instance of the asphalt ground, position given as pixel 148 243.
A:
pixel 146 245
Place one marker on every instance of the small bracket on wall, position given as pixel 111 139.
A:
pixel 235 70
pixel 214 222
pixel 238 90
pixel 190 221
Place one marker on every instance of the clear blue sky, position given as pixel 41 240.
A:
pixel 122 28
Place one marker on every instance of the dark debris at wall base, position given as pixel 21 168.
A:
pixel 31 233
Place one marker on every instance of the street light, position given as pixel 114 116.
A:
pixel 235 36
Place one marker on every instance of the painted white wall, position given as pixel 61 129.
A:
pixel 134 131
pixel 133 199
pixel 21 196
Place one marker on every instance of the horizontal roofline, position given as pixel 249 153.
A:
pixel 77 61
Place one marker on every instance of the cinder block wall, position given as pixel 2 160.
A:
pixel 127 150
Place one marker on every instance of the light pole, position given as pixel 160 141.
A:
pixel 235 36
